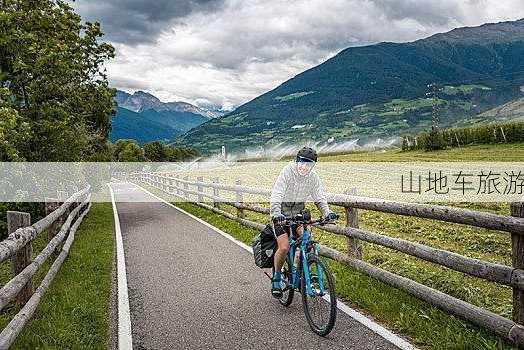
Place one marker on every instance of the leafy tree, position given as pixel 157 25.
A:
pixel 180 154
pixel 435 141
pixel 128 151
pixel 55 102
pixel 156 151
pixel 405 144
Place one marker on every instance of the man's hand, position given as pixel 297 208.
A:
pixel 278 219
pixel 332 216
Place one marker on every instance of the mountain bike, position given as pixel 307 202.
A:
pixel 309 276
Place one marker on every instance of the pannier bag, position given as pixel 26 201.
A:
pixel 264 246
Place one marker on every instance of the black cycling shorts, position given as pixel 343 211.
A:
pixel 287 229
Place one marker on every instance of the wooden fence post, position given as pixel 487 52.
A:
pixel 354 246
pixel 23 257
pixel 76 202
pixel 186 186
pixel 240 199
pixel 517 253
pixel 200 188
pixel 52 204
pixel 177 185
pixel 62 195
pixel 62 198
pixel 216 204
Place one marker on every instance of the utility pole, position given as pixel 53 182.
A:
pixel 434 90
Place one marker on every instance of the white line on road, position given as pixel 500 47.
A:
pixel 354 314
pixel 125 340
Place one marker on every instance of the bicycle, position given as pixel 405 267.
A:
pixel 311 277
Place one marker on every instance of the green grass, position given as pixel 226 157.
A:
pixel 74 312
pixel 511 152
pixel 466 89
pixel 425 325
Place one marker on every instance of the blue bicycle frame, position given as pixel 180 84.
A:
pixel 303 263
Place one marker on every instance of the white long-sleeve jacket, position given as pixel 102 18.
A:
pixel 291 190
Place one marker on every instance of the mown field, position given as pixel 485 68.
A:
pixel 511 152
pixel 424 325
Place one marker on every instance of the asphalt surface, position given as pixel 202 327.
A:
pixel 189 287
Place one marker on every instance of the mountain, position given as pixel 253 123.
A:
pixel 379 91
pixel 140 127
pixel 143 117
pixel 141 101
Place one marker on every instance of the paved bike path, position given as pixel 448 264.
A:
pixel 189 287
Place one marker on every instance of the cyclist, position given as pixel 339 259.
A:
pixel 295 184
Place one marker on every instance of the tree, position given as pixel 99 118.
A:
pixel 180 154
pixel 156 151
pixel 405 143
pixel 128 151
pixel 435 141
pixel 55 95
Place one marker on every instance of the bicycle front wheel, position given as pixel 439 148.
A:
pixel 320 313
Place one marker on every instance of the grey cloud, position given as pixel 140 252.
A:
pixel 137 21
pixel 429 12
pixel 243 48
pixel 129 84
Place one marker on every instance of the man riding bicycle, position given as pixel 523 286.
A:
pixel 295 184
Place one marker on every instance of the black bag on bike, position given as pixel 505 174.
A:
pixel 264 246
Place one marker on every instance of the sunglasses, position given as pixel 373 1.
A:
pixel 305 160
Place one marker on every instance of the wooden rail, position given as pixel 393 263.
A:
pixel 510 330
pixel 64 216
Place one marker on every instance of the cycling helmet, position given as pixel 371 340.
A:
pixel 307 154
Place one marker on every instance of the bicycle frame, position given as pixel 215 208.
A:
pixel 302 264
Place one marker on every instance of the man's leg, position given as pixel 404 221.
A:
pixel 280 254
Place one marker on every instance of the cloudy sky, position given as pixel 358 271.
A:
pixel 226 52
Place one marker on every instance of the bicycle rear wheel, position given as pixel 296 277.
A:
pixel 320 313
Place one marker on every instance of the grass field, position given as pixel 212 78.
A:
pixel 74 312
pixel 511 152
pixel 426 326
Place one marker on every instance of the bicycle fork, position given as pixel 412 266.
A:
pixel 307 276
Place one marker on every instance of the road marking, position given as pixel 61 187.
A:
pixel 354 314
pixel 125 340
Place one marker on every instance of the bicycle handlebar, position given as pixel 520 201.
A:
pixel 299 220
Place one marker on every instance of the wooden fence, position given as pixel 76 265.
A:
pixel 513 276
pixel 64 215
